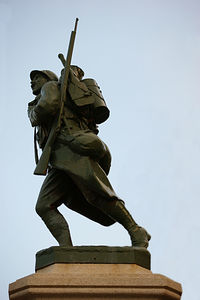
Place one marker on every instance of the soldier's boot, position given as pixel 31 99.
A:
pixel 58 227
pixel 117 211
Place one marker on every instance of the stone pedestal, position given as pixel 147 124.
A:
pixel 93 280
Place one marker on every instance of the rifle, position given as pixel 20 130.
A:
pixel 42 165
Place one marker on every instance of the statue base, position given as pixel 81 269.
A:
pixel 109 276
pixel 93 255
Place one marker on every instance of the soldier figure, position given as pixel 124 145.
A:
pixel 79 161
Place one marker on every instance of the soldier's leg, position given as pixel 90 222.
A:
pixel 117 211
pixel 50 197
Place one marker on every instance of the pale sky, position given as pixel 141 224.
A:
pixel 145 56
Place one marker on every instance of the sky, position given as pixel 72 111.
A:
pixel 145 56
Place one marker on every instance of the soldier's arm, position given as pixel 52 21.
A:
pixel 47 105
pixel 31 106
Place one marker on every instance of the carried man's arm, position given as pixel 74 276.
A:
pixel 42 166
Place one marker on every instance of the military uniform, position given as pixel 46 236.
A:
pixel 78 153
pixel 79 161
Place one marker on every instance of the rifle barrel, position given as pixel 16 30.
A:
pixel 42 165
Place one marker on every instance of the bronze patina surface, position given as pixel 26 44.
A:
pixel 93 255
pixel 66 113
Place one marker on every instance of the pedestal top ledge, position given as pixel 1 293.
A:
pixel 93 255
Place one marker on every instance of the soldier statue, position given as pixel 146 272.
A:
pixel 79 160
pixel 65 114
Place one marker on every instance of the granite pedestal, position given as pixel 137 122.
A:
pixel 94 273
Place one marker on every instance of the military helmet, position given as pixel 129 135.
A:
pixel 80 71
pixel 49 74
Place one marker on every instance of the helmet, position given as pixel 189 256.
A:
pixel 50 75
pixel 79 70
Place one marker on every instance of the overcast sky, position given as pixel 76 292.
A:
pixel 145 56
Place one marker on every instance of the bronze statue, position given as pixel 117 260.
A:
pixel 78 160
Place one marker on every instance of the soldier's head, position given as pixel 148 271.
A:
pixel 77 71
pixel 39 78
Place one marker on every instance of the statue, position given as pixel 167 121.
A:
pixel 78 161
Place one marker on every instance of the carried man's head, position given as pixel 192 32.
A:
pixel 39 78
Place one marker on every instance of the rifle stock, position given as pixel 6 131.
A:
pixel 42 165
